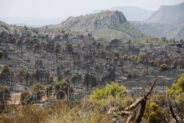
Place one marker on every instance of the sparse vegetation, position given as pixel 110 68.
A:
pixel 153 113
pixel 112 89
pixel 163 67
pixel 62 74
pixel 177 88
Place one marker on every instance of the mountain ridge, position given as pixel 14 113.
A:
pixel 106 24
pixel 161 30
pixel 172 14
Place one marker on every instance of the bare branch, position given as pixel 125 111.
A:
pixel 140 112
pixel 173 114
pixel 138 101
pixel 127 110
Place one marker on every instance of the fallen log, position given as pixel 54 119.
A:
pixel 127 111
pixel 140 113
pixel 137 102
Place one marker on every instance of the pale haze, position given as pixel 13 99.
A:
pixel 65 8
pixel 45 12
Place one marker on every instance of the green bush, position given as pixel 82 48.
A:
pixel 142 57
pixel 48 87
pixel 180 103
pixel 125 57
pixel 61 85
pixel 163 67
pixel 153 113
pixel 37 87
pixel 37 91
pixel 178 87
pixel 112 89
pixel 62 89
pixel 176 92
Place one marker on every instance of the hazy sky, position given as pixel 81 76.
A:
pixel 65 8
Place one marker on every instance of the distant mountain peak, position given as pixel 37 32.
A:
pixel 105 24
pixel 172 14
pixel 97 19
pixel 1 22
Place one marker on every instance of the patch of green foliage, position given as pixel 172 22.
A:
pixel 37 91
pixel 178 87
pixel 37 87
pixel 61 85
pixel 48 87
pixel 153 113
pixel 142 57
pixel 112 89
pixel 163 67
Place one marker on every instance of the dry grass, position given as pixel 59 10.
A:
pixel 80 112
pixel 84 111
pixel 60 112
pixel 25 114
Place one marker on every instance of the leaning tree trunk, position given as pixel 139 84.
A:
pixel 134 117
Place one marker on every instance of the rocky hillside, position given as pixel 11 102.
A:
pixel 104 25
pixel 168 15
pixel 43 53
pixel 161 30
pixel 168 22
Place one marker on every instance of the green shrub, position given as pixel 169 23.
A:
pixel 61 85
pixel 125 57
pixel 37 87
pixel 112 89
pixel 153 113
pixel 142 57
pixel 178 87
pixel 163 67
pixel 62 89
pixel 37 91
pixel 48 87
pixel 180 104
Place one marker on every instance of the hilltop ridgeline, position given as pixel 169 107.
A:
pixel 104 25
